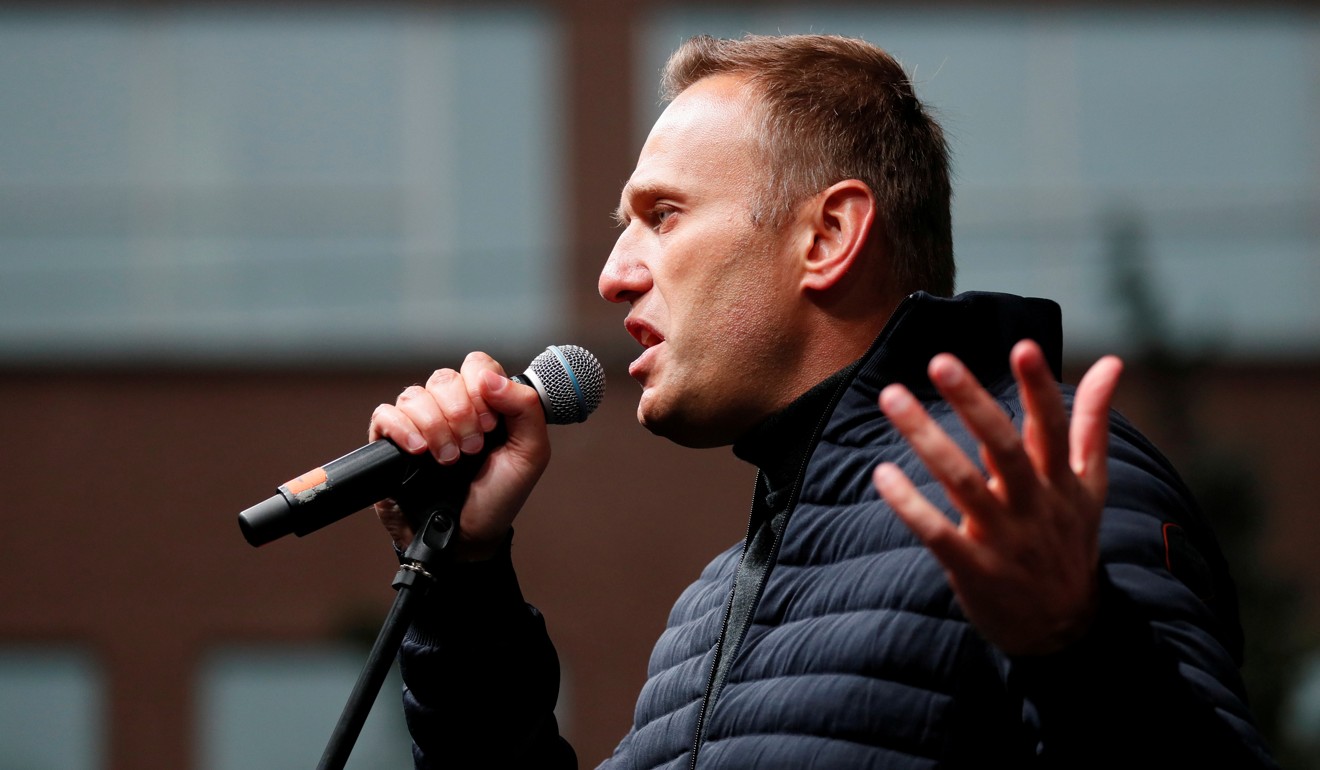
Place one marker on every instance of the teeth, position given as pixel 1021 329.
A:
pixel 645 337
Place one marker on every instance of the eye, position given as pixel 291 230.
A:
pixel 660 216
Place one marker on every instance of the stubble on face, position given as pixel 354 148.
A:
pixel 720 293
pixel 717 378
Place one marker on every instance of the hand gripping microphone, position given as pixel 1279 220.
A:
pixel 569 379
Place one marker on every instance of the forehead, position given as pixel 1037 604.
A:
pixel 705 136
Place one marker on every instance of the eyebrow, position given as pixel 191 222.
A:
pixel 634 191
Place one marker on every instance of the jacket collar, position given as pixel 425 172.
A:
pixel 980 328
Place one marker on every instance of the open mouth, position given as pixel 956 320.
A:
pixel 650 339
pixel 643 333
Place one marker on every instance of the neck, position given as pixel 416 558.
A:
pixel 835 339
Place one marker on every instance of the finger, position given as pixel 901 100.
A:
pixel 988 422
pixel 449 389
pixel 953 550
pixel 419 405
pixel 1045 428
pixel 946 461
pixel 473 366
pixel 389 422
pixel 520 406
pixel 1089 431
pixel 396 523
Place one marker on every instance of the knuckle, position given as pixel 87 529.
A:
pixel 478 361
pixel 441 377
pixel 460 411
pixel 381 417
pixel 431 424
pixel 451 396
pixel 410 393
pixel 477 358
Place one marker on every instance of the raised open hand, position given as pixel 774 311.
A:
pixel 1023 561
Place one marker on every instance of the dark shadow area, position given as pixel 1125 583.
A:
pixel 1226 482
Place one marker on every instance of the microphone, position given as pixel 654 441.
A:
pixel 569 379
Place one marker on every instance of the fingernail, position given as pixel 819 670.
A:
pixel 415 442
pixel 487 421
pixel 948 375
pixel 472 444
pixel 494 382
pixel 448 453
pixel 895 399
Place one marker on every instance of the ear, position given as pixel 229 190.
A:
pixel 840 221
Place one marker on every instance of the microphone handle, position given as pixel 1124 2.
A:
pixel 366 475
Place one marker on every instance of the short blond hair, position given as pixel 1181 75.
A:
pixel 836 108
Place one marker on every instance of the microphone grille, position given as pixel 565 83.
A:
pixel 572 380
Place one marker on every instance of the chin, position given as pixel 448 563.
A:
pixel 692 431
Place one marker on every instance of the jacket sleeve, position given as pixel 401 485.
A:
pixel 481 676
pixel 1155 683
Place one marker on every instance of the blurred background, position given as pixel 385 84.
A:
pixel 229 231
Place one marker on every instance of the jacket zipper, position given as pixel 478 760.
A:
pixel 724 629
pixel 795 491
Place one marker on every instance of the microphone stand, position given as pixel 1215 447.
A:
pixel 414 579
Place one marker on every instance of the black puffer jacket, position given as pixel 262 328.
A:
pixel 845 648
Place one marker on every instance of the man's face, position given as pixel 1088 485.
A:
pixel 711 294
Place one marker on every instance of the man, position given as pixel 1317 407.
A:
pixel 786 256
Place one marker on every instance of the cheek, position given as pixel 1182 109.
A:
pixel 752 295
pixel 726 295
pixel 742 325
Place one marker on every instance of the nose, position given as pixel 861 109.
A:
pixel 625 276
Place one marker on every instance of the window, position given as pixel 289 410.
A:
pixel 248 184
pixel 51 709
pixel 278 707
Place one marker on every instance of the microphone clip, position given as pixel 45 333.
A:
pixel 428 550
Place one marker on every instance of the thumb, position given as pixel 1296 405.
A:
pixel 520 405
